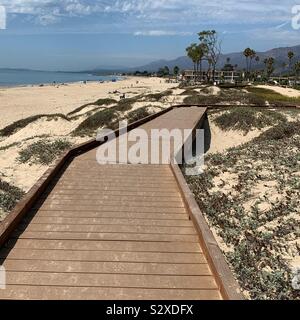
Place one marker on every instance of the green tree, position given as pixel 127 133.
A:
pixel 192 54
pixel 176 71
pixel 161 72
pixel 196 53
pixel 201 51
pixel 211 46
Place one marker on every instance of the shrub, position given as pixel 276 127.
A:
pixel 9 196
pixel 138 114
pixel 226 96
pixel 153 97
pixel 281 131
pixel 104 118
pixel 43 151
pixel 247 118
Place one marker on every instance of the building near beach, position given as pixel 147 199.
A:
pixel 221 76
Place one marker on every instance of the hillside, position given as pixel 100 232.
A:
pixel 236 58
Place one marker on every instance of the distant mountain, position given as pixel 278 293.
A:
pixel 236 58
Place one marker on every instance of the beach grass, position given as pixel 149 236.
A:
pixel 105 118
pixel 20 124
pixel 99 103
pixel 273 97
pixel 225 96
pixel 154 97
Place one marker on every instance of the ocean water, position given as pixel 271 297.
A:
pixel 26 77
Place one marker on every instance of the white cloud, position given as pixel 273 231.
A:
pixel 2 18
pixel 159 33
pixel 162 12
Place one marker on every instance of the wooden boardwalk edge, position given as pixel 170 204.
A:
pixel 228 286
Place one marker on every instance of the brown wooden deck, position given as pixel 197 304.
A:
pixel 111 232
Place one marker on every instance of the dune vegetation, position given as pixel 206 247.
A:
pixel 249 195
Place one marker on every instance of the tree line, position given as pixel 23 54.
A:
pixel 209 49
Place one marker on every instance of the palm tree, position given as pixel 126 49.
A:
pixel 290 57
pixel 297 69
pixel 247 54
pixel 283 66
pixel 257 60
pixel 269 63
pixel 250 54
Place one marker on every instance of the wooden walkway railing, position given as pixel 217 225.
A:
pixel 90 231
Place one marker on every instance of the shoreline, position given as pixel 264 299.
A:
pixel 33 85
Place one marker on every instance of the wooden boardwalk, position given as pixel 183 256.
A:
pixel 110 232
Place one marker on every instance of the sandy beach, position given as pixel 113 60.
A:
pixel 22 102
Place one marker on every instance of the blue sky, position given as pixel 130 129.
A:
pixel 83 34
